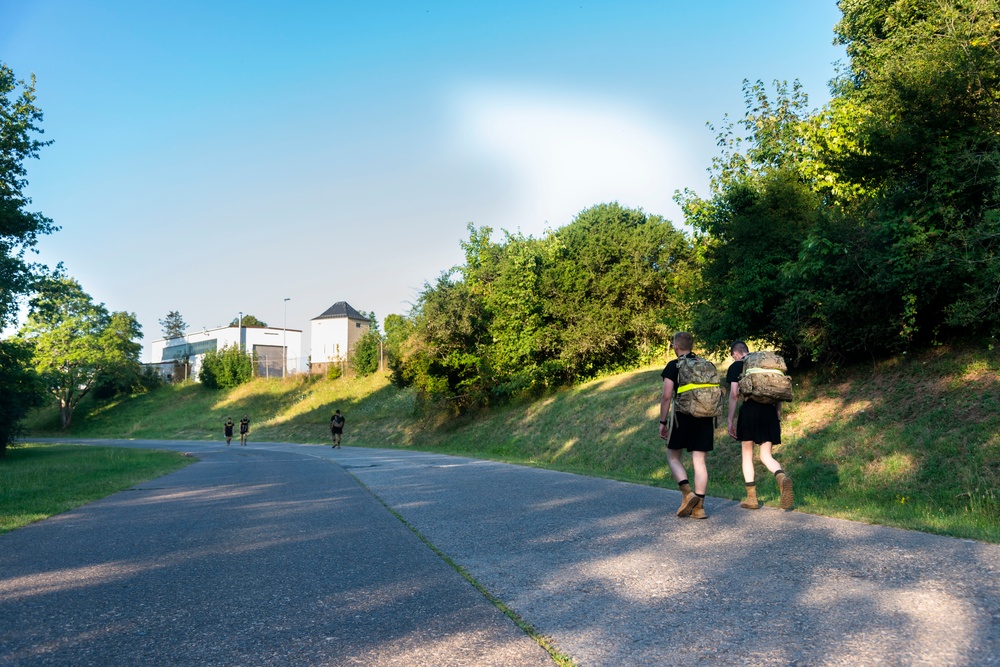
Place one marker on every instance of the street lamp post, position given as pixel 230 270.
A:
pixel 284 339
pixel 241 331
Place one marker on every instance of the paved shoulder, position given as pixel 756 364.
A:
pixel 608 571
pixel 250 557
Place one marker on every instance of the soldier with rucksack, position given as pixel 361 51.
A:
pixel 760 379
pixel 690 403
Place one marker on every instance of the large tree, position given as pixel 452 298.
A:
pixel 19 228
pixel 77 342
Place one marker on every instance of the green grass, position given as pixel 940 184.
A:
pixel 909 442
pixel 37 481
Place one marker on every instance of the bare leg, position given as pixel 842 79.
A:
pixel 765 458
pixel 677 468
pixel 748 461
pixel 700 472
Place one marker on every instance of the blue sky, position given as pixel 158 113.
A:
pixel 218 157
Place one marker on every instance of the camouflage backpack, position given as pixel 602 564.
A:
pixel 699 393
pixel 764 378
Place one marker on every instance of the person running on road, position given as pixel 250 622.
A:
pixel 757 423
pixel 696 434
pixel 244 430
pixel 336 428
pixel 228 427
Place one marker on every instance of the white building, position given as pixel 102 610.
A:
pixel 266 342
pixel 334 334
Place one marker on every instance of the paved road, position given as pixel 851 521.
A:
pixel 270 555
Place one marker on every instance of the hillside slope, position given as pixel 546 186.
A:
pixel 907 442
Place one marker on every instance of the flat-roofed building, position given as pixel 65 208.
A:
pixel 268 343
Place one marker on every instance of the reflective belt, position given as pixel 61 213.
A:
pixel 689 387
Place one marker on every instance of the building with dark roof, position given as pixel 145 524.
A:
pixel 334 334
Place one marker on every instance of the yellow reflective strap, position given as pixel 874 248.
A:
pixel 689 387
pixel 751 371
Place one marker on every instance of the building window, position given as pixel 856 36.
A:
pixel 357 325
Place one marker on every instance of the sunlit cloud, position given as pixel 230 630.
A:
pixel 562 154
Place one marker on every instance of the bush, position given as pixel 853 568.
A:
pixel 20 389
pixel 334 371
pixel 365 359
pixel 226 368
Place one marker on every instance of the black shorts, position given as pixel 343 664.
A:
pixel 758 422
pixel 695 434
pixel 336 430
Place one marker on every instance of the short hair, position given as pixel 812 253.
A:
pixel 336 412
pixel 683 341
pixel 739 346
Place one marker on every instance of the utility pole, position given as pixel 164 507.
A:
pixel 284 340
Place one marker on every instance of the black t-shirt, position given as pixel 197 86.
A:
pixel 244 426
pixel 734 372
pixel 337 421
pixel 670 372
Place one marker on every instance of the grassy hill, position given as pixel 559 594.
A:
pixel 909 442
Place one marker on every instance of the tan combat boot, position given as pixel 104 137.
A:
pixel 688 501
pixel 751 502
pixel 699 509
pixel 785 484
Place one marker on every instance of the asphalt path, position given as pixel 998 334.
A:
pixel 287 554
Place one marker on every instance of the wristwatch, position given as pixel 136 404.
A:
pixel 664 423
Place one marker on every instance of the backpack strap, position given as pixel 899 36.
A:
pixel 689 387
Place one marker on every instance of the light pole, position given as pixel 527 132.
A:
pixel 284 339
pixel 241 331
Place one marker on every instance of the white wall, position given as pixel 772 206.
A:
pixel 291 340
pixel 333 339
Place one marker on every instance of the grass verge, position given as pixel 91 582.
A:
pixel 40 480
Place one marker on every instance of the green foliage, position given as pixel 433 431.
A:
pixel 20 388
pixel 366 357
pixel 334 371
pixel 77 342
pixel 124 383
pixel 397 333
pixel 871 226
pixel 20 119
pixel 248 321
pixel 226 368
pixel 525 314
pixel 173 325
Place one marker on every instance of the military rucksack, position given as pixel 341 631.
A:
pixel 764 378
pixel 699 393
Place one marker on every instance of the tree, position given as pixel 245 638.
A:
pixel 19 228
pixel 20 388
pixel 524 314
pixel 368 350
pixel 77 342
pixel 248 321
pixel 173 325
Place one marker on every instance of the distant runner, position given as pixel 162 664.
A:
pixel 336 428
pixel 229 430
pixel 244 430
